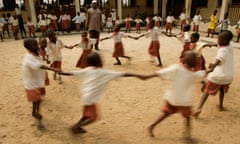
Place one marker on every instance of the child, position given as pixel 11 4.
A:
pixel 95 80
pixel 6 25
pixel 86 46
pixel 213 23
pixel 196 21
pixel 128 20
pixel 224 23
pixel 31 28
pixel 154 47
pixel 42 49
pixel 1 31
pixel 15 28
pixel 138 22
pixel 178 98
pixel 186 39
pixel 183 18
pixel 118 46
pixel 170 19
pixel 54 51
pixel 78 21
pixel 109 23
pixel 34 78
pixel 148 20
pixel 157 20
pixel 43 26
pixel 238 31
pixel 118 21
pixel 221 72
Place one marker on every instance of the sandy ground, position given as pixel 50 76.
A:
pixel 127 109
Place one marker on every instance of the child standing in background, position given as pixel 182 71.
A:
pixel 109 23
pixel 154 47
pixel 118 45
pixel 34 78
pixel 178 98
pixel 31 28
pixel 169 22
pixel 224 23
pixel 212 24
pixel 95 80
pixel 196 21
pixel 77 20
pixel 148 20
pixel 221 72
pixel 157 20
pixel 43 26
pixel 128 20
pixel 186 38
pixel 138 22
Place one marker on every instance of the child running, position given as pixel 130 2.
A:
pixel 54 52
pixel 86 46
pixel 94 85
pixel 118 45
pixel 34 78
pixel 178 98
pixel 154 47
pixel 221 72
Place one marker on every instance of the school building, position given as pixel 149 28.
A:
pixel 124 7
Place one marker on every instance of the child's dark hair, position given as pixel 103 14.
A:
pixel 195 37
pixel 50 32
pixel 31 44
pixel 186 27
pixel 94 59
pixel 190 59
pixel 224 38
pixel 84 33
pixel 117 28
pixel 152 23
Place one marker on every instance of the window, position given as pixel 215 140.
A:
pixel 149 3
pixel 49 1
pixel 9 5
pixel 128 3
pixel 236 2
pixel 202 3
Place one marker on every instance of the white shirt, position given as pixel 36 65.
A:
pixel 94 83
pixel 223 73
pixel 182 84
pixel 33 76
pixel 170 19
pixel 77 19
pixel 157 18
pixel 84 45
pixel 183 16
pixel 117 37
pixel 197 19
pixel 54 51
pixel 153 33
pixel 138 21
pixel 187 37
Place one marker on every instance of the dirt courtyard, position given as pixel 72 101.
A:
pixel 127 108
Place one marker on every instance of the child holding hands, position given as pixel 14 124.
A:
pixel 178 98
pixel 94 85
pixel 34 77
pixel 221 72
pixel 118 45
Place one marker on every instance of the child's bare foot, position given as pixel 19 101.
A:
pixel 159 65
pixel 117 63
pixel 221 108
pixel 78 130
pixel 189 139
pixel 150 131
pixel 197 113
pixel 40 125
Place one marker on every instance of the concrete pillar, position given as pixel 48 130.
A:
pixel 77 6
pixel 155 6
pixel 32 12
pixel 164 8
pixel 119 9
pixel 188 4
pixel 224 8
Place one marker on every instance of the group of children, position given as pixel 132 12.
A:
pixel 178 98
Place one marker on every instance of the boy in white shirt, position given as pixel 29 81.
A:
pixel 178 98
pixel 221 72
pixel 93 87
pixel 196 21
pixel 34 77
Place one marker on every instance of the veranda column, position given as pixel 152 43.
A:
pixel 164 8
pixel 119 9
pixel 188 4
pixel 32 12
pixel 77 6
pixel 224 8
pixel 155 5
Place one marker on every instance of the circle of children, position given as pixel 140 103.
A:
pixel 183 75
